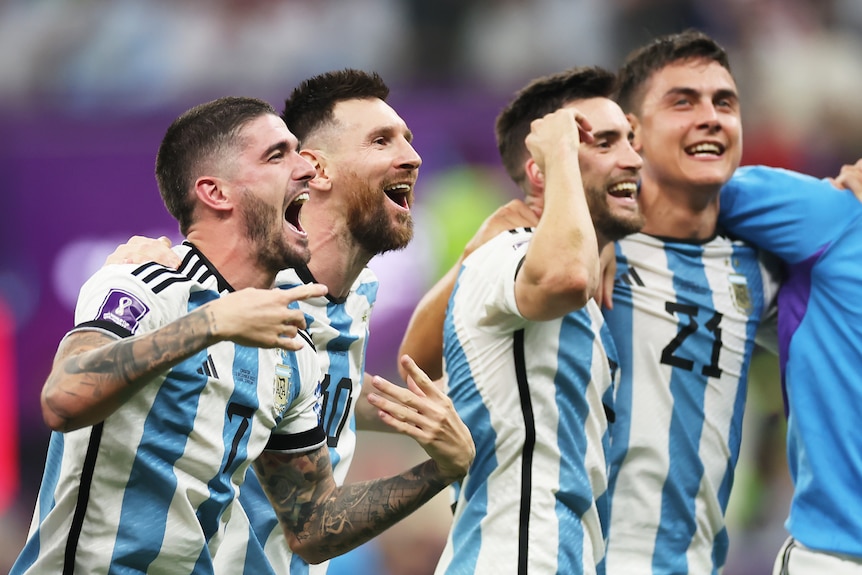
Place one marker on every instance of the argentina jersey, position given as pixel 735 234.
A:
pixel 339 330
pixel 532 395
pixel 151 487
pixel 684 322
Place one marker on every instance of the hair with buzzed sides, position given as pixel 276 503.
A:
pixel 311 104
pixel 206 134
pixel 643 62
pixel 539 98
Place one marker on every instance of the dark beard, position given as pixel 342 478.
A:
pixel 370 223
pixel 274 253
pixel 611 227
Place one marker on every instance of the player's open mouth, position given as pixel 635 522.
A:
pixel 624 190
pixel 399 193
pixel 705 149
pixel 291 214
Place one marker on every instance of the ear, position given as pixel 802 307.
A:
pixel 212 192
pixel 636 128
pixel 534 187
pixel 535 177
pixel 322 180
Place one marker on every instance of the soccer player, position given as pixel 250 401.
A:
pixel 165 399
pixel 816 230
pixel 359 206
pixel 529 362
pixel 687 302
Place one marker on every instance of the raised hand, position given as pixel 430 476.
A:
pixel 425 413
pixel 261 317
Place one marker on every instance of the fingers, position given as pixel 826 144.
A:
pixel 584 128
pixel 141 249
pixel 850 178
pixel 305 291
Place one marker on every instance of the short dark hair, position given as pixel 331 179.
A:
pixel 311 104
pixel 541 97
pixel 643 62
pixel 199 136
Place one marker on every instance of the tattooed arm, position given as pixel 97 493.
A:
pixel 94 374
pixel 321 520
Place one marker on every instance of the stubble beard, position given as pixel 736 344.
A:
pixel 274 252
pixel 611 226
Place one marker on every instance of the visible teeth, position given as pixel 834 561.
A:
pixel 705 148
pixel 398 187
pixel 624 189
pixel 301 198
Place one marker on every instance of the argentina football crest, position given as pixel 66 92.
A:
pixel 739 293
pixel 281 386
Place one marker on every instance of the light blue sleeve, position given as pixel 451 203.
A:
pixel 789 214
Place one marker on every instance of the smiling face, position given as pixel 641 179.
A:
pixel 371 161
pixel 688 126
pixel 610 168
pixel 271 183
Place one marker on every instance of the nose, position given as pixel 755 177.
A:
pixel 709 117
pixel 631 159
pixel 302 169
pixel 409 158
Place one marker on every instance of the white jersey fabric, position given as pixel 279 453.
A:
pixel 532 395
pixel 684 322
pixel 151 488
pixel 339 330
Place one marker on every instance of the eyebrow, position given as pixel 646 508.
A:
pixel 390 131
pixel 611 134
pixel 719 94
pixel 282 146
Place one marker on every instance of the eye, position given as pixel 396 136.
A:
pixel 604 144
pixel 380 141
pixel 277 155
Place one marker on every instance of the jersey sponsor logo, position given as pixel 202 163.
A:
pixel 208 368
pixel 123 309
pixel 281 386
pixel 739 293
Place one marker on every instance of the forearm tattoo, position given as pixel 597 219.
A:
pixel 333 519
pixel 95 371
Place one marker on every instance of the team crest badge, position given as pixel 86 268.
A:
pixel 739 293
pixel 281 386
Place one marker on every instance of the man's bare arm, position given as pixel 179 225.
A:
pixel 553 280
pixel 94 374
pixel 322 521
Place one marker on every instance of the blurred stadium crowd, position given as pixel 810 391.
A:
pixel 88 86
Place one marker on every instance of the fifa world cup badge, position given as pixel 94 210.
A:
pixel 739 293
pixel 281 386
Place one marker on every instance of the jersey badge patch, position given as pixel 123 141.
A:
pixel 739 293
pixel 281 386
pixel 123 309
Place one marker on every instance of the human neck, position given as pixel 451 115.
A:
pixel 336 259
pixel 229 253
pixel 686 213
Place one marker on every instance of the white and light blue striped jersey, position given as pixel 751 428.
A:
pixel 151 488
pixel 534 396
pixel 816 230
pixel 339 330
pixel 684 321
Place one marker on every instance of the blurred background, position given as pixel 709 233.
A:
pixel 87 88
